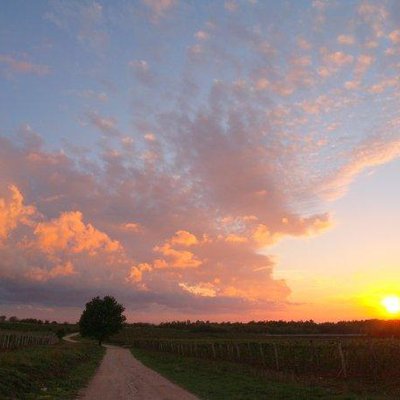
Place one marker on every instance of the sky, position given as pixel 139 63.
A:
pixel 218 160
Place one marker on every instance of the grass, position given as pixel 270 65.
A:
pixel 220 380
pixel 54 372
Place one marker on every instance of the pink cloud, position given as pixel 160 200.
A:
pixel 12 65
pixel 107 125
pixel 394 36
pixel 159 7
pixel 346 39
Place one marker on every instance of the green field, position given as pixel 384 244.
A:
pixel 51 372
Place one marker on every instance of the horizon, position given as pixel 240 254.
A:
pixel 207 161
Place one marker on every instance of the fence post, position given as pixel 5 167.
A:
pixel 276 356
pixel 237 350
pixel 342 360
pixel 262 354
pixel 213 350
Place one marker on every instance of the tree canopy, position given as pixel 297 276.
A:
pixel 101 318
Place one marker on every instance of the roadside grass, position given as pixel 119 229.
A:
pixel 54 372
pixel 221 380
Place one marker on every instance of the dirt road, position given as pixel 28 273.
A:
pixel 122 377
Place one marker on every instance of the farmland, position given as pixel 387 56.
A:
pixel 356 360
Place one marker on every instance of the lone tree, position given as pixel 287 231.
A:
pixel 101 318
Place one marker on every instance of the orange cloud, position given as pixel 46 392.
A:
pixel 69 232
pixel 233 238
pixel 13 212
pixel 183 238
pixel 262 235
pixel 177 258
pixel 136 272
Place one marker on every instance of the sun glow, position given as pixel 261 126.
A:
pixel 391 304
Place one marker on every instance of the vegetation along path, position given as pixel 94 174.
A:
pixel 122 377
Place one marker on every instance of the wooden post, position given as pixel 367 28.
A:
pixel 262 354
pixel 342 360
pixel 213 350
pixel 238 351
pixel 276 356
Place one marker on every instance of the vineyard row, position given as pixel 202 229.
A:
pixel 10 341
pixel 361 359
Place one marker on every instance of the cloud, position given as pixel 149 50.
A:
pixel 394 36
pixel 231 5
pixel 201 289
pixel 176 257
pixel 13 212
pixel 107 125
pixel 159 7
pixel 369 153
pixel 12 66
pixel 84 21
pixel 69 233
pixel 43 275
pixel 202 35
pixel 346 39
pixel 142 71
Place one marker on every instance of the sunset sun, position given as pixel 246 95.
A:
pixel 391 304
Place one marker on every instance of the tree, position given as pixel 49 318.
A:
pixel 101 318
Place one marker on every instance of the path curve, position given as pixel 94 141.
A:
pixel 122 377
pixel 69 337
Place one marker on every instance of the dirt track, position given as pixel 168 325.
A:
pixel 121 377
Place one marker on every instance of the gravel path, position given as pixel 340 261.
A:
pixel 122 377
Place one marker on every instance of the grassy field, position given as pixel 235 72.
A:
pixel 55 372
pixel 220 380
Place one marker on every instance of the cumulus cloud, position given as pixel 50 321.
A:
pixel 69 233
pixel 13 212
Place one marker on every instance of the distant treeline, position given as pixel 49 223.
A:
pixel 13 319
pixel 15 324
pixel 372 327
